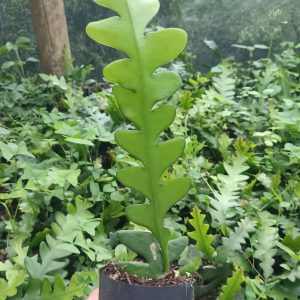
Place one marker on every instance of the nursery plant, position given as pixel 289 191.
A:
pixel 139 87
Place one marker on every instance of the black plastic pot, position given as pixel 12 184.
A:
pixel 118 290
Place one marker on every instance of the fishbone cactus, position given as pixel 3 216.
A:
pixel 138 88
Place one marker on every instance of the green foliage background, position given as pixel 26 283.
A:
pixel 61 203
pixel 226 22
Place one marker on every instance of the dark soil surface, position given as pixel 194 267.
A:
pixel 172 278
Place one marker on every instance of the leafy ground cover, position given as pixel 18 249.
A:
pixel 61 204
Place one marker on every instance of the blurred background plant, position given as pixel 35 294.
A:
pixel 225 21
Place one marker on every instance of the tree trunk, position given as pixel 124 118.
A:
pixel 49 21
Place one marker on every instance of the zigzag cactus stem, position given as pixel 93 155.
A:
pixel 137 90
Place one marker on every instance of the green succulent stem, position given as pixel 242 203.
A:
pixel 138 88
pixel 149 143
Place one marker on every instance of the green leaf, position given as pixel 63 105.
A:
pixel 293 242
pixel 294 150
pixel 4 131
pixel 32 59
pixel 44 77
pixel 60 177
pixel 233 285
pixel 200 235
pixel 261 46
pixel 79 141
pixel 14 194
pixel 138 89
pixel 191 267
pixel 147 248
pixel 7 65
pixel 9 46
pixel 22 40
pixel 55 81
pixel 117 196
pixel 10 150
pixel 13 268
pixel 176 247
pixel 44 290
pixel 76 229
pixel 21 252
pixel 52 260
pixel 140 269
pixel 190 254
pixel 9 288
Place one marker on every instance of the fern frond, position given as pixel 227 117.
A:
pixel 224 84
pixel 228 187
pixel 264 242
pixel 237 238
pixel 137 90
pixel 233 285
pixel 200 235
